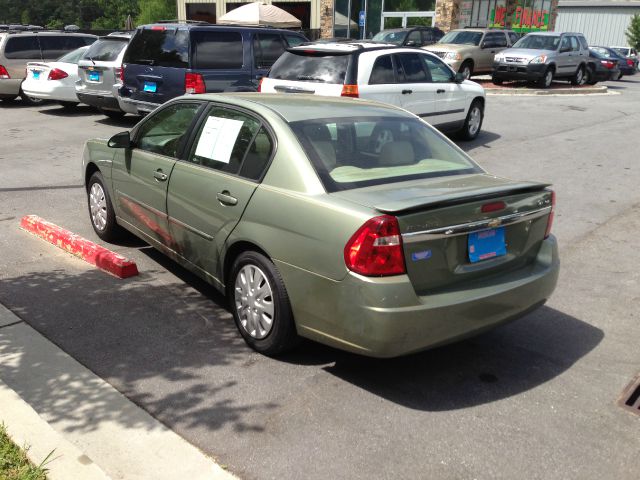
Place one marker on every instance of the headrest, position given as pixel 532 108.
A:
pixel 327 154
pixel 396 153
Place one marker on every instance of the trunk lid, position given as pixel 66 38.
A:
pixel 439 220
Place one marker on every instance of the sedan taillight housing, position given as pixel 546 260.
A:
pixel 4 75
pixel 57 74
pixel 194 83
pixel 375 250
pixel 550 219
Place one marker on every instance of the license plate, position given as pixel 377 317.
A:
pixel 36 75
pixel 486 244
pixel 150 87
pixel 94 76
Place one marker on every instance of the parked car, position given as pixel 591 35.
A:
pixel 406 77
pixel 627 66
pixel 99 70
pixel 543 56
pixel 17 48
pixel 286 204
pixel 167 60
pixel 470 51
pixel 54 80
pixel 629 52
pixel 601 68
pixel 409 37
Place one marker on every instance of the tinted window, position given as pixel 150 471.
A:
pixel 495 39
pixel 565 43
pixel 384 150
pixel 513 37
pixel 167 48
pixel 574 44
pixel 439 72
pixel 105 50
pixel 223 126
pixel 414 37
pixel 217 50
pixel 427 36
pixel 583 42
pixel 55 46
pixel 538 42
pixel 23 47
pixel 267 48
pixel 319 67
pixel 294 40
pixel 411 65
pixel 390 37
pixel 461 37
pixel 382 71
pixel 258 156
pixel 163 132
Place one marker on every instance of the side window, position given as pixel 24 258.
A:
pixel 267 48
pixel 501 39
pixel 382 71
pixel 583 43
pixel 294 40
pixel 163 132
pixel 427 37
pixel 513 37
pixel 217 50
pixel 565 43
pixel 574 44
pixel 224 139
pixel 439 71
pixel 258 155
pixel 412 68
pixel 55 46
pixel 414 39
pixel 26 48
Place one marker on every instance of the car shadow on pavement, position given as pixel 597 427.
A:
pixel 128 121
pixel 60 111
pixel 483 139
pixel 499 364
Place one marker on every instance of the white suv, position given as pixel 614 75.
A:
pixel 410 78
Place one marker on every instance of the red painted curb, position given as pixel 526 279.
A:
pixel 85 249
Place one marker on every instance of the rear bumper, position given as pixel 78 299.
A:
pixel 383 317
pixel 104 100
pixel 10 86
pixel 50 92
pixel 130 105
pixel 528 72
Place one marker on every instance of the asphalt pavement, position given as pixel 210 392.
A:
pixel 533 399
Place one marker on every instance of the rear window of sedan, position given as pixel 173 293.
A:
pixel 358 152
pixel 106 49
pixel 311 66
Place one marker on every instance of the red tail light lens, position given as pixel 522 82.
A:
pixel 550 220
pixel 4 75
pixel 194 83
pixel 350 91
pixel 120 74
pixel 607 63
pixel 57 74
pixel 375 250
pixel 260 84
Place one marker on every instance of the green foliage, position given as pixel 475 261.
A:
pixel 153 10
pixel 14 464
pixel 633 32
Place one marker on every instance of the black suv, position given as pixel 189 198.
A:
pixel 409 37
pixel 166 60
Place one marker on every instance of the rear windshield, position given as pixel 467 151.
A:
pixel 358 152
pixel 538 42
pixel 106 49
pixel 165 48
pixel 315 67
pixel 462 38
pixel 622 51
pixel 390 37
pixel 55 46
pixel 74 56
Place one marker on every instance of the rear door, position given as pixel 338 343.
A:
pixel 210 189
pixel 97 68
pixel 451 99
pixel 382 84
pixel 267 48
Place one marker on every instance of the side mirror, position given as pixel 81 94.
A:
pixel 120 140
pixel 411 43
pixel 459 78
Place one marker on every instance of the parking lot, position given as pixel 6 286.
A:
pixel 533 399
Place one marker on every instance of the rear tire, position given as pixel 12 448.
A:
pixel 497 81
pixel 591 76
pixel 101 212
pixel 473 122
pixel 8 98
pixel 260 304
pixel 546 79
pixel 114 114
pixel 578 77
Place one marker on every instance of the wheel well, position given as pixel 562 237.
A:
pixel 234 251
pixel 552 67
pixel 480 100
pixel 91 169
pixel 469 61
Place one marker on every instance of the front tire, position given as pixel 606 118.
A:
pixel 466 69
pixel 8 98
pixel 260 304
pixel 546 79
pixel 473 122
pixel 101 212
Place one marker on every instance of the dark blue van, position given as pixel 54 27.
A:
pixel 166 60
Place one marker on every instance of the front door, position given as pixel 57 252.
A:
pixel 140 174
pixel 210 188
pixel 418 93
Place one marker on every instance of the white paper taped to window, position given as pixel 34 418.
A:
pixel 218 137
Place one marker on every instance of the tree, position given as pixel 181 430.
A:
pixel 153 10
pixel 633 32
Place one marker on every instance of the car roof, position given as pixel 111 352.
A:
pixel 343 47
pixel 210 26
pixel 298 107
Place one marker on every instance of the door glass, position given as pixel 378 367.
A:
pixel 392 22
pixel 267 48
pixel 219 50
pixel 166 48
pixel 414 39
pixel 382 71
pixel 412 67
pixel 419 21
pixel 163 131
pixel 440 73
pixel 258 156
pixel 574 44
pixel 565 43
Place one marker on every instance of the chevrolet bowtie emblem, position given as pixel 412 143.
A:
pixel 496 222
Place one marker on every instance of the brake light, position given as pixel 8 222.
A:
pixel 607 63
pixel 550 220
pixel 260 84
pixel 158 27
pixel 4 75
pixel 630 62
pixel 375 250
pixel 57 74
pixel 493 207
pixel 349 91
pixel 120 74
pixel 194 83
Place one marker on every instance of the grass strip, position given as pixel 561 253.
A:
pixel 14 464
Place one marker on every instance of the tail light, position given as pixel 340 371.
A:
pixel 4 75
pixel 550 220
pixel 57 74
pixel 194 83
pixel 120 74
pixel 375 250
pixel 350 91
pixel 260 84
pixel 607 63
pixel 629 62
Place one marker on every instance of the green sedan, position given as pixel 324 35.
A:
pixel 348 222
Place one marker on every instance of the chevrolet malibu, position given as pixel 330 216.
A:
pixel 345 221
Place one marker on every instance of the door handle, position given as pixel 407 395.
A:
pixel 440 90
pixel 225 198
pixel 158 175
pixel 404 92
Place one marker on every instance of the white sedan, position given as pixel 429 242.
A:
pixel 54 80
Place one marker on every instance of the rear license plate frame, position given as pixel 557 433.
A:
pixel 36 74
pixel 486 244
pixel 94 76
pixel 150 87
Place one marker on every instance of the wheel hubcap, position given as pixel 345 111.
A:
pixel 579 77
pixel 254 301
pixel 466 73
pixel 548 79
pixel 98 206
pixel 474 120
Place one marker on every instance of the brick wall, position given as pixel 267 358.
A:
pixel 447 14
pixel 326 18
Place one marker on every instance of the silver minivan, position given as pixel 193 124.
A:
pixel 100 70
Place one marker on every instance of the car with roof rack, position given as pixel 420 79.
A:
pixel 407 77
pixel 409 37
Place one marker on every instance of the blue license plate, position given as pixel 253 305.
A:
pixel 150 87
pixel 486 244
pixel 36 75
pixel 94 76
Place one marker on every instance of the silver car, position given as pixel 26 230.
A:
pixel 99 71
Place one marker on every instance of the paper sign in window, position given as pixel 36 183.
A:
pixel 218 137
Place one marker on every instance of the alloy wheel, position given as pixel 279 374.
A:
pixel 98 206
pixel 254 301
pixel 475 117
